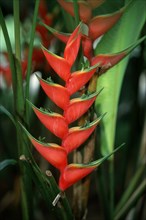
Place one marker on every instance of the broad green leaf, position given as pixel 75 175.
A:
pixel 124 33
pixel 6 163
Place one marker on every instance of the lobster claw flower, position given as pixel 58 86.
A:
pixel 78 106
pixel 73 45
pixel 75 172
pixel 52 121
pixel 107 61
pixel 78 135
pixel 53 153
pixel 79 79
pixel 57 93
pixel 99 25
pixel 59 64
pixel 85 10
pixel 62 66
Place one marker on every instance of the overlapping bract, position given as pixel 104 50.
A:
pixel 73 109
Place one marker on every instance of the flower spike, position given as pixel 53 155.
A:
pixel 72 46
pixel 53 153
pixel 57 93
pixel 59 64
pixel 77 135
pixel 53 121
pixel 78 106
pixel 107 61
pixel 75 172
pixel 80 78
pixel 85 10
pixel 99 25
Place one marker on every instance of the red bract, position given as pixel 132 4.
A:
pixel 78 106
pixel 77 136
pixel 97 26
pixel 57 93
pixel 85 11
pixel 73 108
pixel 53 121
pixel 73 173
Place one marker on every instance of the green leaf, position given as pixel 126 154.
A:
pixel 130 188
pixel 124 33
pixel 137 194
pixel 48 188
pixel 6 163
pixel 7 113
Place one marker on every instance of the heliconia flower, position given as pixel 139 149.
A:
pixel 107 61
pixel 59 64
pixel 62 66
pixel 78 106
pixel 85 10
pixel 80 78
pixel 72 46
pixel 75 172
pixel 78 135
pixel 52 121
pixel 53 153
pixel 73 109
pixel 99 25
pixel 57 93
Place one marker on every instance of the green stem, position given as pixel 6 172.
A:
pixel 17 30
pixel 76 11
pixel 25 181
pixel 111 179
pixel 30 55
pixel 132 200
pixel 130 189
pixel 19 86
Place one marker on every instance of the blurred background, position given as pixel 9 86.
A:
pixel 131 120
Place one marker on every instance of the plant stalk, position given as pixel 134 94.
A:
pixel 111 180
pixel 25 181
pixel 29 64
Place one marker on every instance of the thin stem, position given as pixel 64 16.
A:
pixel 130 189
pixel 111 179
pixel 19 89
pixel 76 11
pixel 132 200
pixel 25 181
pixel 17 30
pixel 30 55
